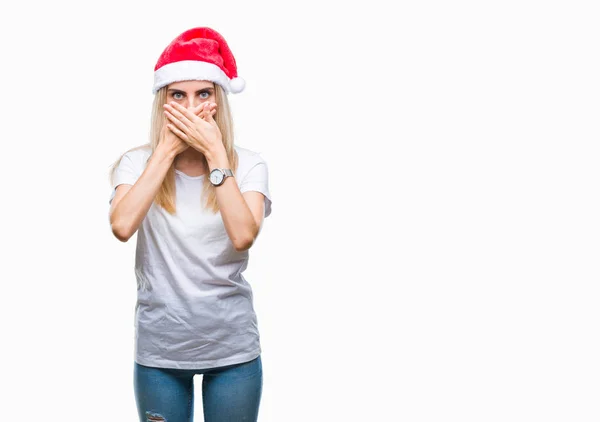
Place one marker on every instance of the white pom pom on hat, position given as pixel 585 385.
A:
pixel 237 85
pixel 198 54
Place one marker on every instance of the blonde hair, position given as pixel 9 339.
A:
pixel 165 197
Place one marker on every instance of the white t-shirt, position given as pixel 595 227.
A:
pixel 194 307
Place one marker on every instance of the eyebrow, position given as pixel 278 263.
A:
pixel 201 89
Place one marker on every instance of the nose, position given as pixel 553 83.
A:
pixel 195 102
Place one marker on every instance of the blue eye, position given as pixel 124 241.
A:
pixel 175 95
pixel 205 92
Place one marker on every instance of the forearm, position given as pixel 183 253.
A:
pixel 133 207
pixel 237 217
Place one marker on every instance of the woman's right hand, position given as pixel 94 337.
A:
pixel 171 142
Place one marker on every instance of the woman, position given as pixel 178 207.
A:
pixel 197 203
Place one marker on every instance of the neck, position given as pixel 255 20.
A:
pixel 190 156
pixel 191 162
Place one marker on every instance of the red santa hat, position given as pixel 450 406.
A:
pixel 198 54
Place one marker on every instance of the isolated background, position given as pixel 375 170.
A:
pixel 432 251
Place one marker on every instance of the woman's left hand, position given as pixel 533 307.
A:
pixel 201 133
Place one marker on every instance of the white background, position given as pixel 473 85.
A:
pixel 432 251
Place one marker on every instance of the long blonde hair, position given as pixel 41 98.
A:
pixel 165 197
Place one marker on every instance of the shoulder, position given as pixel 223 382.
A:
pixel 249 162
pixel 138 156
pixel 248 158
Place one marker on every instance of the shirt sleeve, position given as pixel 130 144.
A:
pixel 257 179
pixel 125 173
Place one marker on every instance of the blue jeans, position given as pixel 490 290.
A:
pixel 229 393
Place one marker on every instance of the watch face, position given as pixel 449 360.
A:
pixel 216 177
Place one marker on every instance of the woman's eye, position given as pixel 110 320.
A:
pixel 205 92
pixel 177 96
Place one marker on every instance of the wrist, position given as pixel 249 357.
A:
pixel 164 153
pixel 217 160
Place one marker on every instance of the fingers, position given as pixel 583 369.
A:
pixel 177 132
pixel 198 109
pixel 208 116
pixel 201 110
pixel 208 111
pixel 181 113
pixel 183 118
pixel 211 119
pixel 176 122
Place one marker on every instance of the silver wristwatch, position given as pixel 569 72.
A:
pixel 217 176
